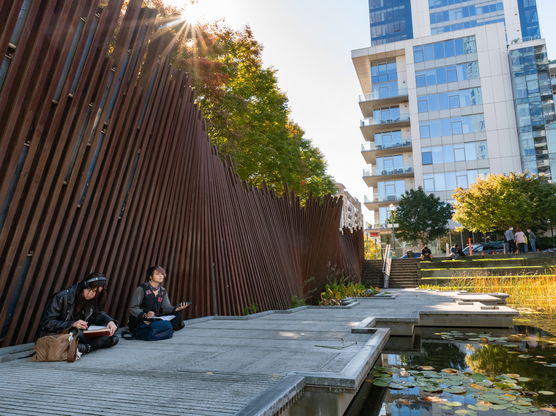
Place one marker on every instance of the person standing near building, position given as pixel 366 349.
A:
pixel 532 240
pixel 520 240
pixel 510 240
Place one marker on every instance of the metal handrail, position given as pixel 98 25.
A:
pixel 387 265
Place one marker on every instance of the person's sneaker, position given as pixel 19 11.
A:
pixel 83 348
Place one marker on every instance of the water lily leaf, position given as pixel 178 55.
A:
pixel 524 379
pixel 396 386
pixel 465 412
pixel 501 406
pixel 478 377
pixel 521 402
pixel 479 407
pixel 477 386
pixel 433 389
pixel 496 399
pixel 425 367
pixel 381 383
pixel 450 371
pixel 524 356
pixel 455 390
pixel 546 392
pixel 514 376
pixel 454 404
pixel 509 397
pixel 550 365
pixel 540 362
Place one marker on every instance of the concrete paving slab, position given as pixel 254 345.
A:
pixel 233 366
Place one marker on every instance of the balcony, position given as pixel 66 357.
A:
pixel 370 126
pixel 371 151
pixel 373 203
pixel 381 98
pixel 371 177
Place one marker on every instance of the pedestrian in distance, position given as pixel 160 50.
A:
pixel 426 254
pixel 510 239
pixel 520 241
pixel 532 240
pixel 78 307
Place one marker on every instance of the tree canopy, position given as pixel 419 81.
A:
pixel 420 217
pixel 247 115
pixel 498 202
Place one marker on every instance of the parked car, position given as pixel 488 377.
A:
pixel 488 247
pixel 411 255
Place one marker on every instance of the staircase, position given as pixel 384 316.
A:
pixel 404 273
pixel 372 273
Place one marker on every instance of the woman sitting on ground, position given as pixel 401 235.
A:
pixel 76 308
pixel 151 299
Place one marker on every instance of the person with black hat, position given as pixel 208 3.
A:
pixel 76 308
pixel 150 300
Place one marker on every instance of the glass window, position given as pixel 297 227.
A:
pixel 424 131
pixel 422 105
pixel 427 158
pixel 429 183
pixel 450 181
pixel 454 101
pixel 470 151
pixel 448 154
pixel 418 55
pixel 461 180
pixel 421 80
pixel 451 74
pixel 457 127
pixel 459 153
pixel 439 182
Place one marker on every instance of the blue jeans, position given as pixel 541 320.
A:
pixel 533 245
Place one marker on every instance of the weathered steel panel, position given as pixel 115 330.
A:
pixel 105 165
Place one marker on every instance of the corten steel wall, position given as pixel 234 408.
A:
pixel 105 166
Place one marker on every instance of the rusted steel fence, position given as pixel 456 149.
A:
pixel 105 165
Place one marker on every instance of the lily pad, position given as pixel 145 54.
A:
pixel 479 407
pixel 546 393
pixel 381 382
pixel 465 412
pixel 524 379
pixel 455 390
pixel 524 356
pixel 450 371
pixel 454 404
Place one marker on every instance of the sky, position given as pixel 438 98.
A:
pixel 309 43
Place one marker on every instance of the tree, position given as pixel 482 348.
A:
pixel 247 115
pixel 372 249
pixel 498 202
pixel 420 217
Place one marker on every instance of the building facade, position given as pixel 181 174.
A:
pixel 462 90
pixel 352 215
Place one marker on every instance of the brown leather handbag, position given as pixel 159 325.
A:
pixel 60 347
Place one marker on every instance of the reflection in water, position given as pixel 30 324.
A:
pixel 529 357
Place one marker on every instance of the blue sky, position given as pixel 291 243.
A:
pixel 309 43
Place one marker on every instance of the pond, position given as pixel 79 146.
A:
pixel 464 371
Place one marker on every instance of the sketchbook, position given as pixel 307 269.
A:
pixel 96 331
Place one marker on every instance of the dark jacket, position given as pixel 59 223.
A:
pixel 143 301
pixel 59 313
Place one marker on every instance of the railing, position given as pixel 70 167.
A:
pixel 387 265
pixel 376 122
pixel 378 95
pixel 389 198
pixel 366 147
pixel 400 171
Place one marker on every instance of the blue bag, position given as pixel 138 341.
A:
pixel 155 331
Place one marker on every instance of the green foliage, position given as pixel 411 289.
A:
pixel 421 217
pixel 297 301
pixel 251 309
pixel 334 292
pixel 498 202
pixel 246 113
pixel 372 249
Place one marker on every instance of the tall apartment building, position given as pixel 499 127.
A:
pixel 452 90
pixel 352 215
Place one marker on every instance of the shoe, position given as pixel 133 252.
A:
pixel 84 349
pixel 104 342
